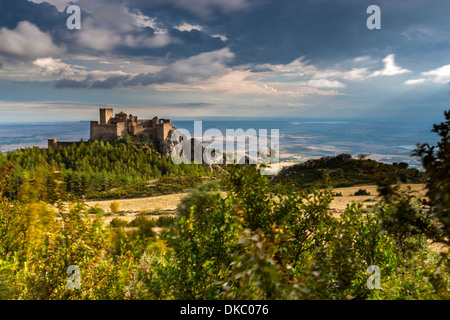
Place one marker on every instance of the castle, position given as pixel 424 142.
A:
pixel 111 127
pixel 121 124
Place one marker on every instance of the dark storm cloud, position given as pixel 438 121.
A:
pixel 204 10
pixel 281 31
pixel 44 15
pixel 259 31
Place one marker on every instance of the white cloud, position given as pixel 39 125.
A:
pixel 98 38
pixel 415 81
pixel 390 68
pixel 355 74
pixel 113 24
pixel 26 41
pixel 104 39
pixel 188 27
pixel 220 36
pixel 324 83
pixel 108 31
pixel 141 20
pixel 52 66
pixel 439 75
pixel 204 65
pixel 362 59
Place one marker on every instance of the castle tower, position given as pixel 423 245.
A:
pixel 105 115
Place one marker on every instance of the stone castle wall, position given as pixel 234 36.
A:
pixel 55 144
pixel 103 132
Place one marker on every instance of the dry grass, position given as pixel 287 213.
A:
pixel 340 203
pixel 130 208
pixel 166 204
pixel 156 206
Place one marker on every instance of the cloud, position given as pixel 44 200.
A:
pixel 59 4
pixel 71 84
pixel 220 36
pixel 107 25
pixel 111 82
pixel 206 8
pixel 439 75
pixel 324 83
pixel 142 41
pixel 56 67
pixel 99 39
pixel 415 81
pixel 361 59
pixel 104 39
pixel 390 68
pixel 188 27
pixel 26 41
pixel 202 66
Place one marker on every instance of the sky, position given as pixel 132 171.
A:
pixel 242 59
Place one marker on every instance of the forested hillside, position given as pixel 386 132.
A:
pixel 344 171
pixel 91 169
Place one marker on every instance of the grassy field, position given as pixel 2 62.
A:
pixel 130 208
pixel 154 207
pixel 339 203
pixel 166 204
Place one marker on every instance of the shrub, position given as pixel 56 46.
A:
pixel 117 223
pixel 96 211
pixel 165 221
pixel 201 201
pixel 362 192
pixel 144 225
pixel 115 207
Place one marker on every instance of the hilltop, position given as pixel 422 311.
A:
pixel 343 171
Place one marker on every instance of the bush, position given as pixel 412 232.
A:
pixel 117 223
pixel 144 225
pixel 165 221
pixel 115 207
pixel 96 211
pixel 362 192
pixel 200 202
